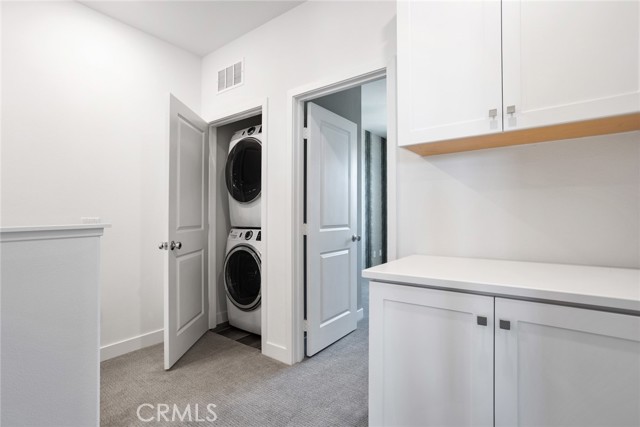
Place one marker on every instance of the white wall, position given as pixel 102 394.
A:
pixel 574 201
pixel 84 112
pixel 567 201
pixel 313 42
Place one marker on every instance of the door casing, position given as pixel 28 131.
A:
pixel 296 99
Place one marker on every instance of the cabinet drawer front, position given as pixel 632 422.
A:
pixel 431 358
pixel 566 61
pixel 565 366
pixel 449 70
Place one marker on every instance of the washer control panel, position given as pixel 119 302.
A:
pixel 245 234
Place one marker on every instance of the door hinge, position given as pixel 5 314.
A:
pixel 305 325
pixel 305 229
pixel 305 133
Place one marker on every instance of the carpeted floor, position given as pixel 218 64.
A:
pixel 248 389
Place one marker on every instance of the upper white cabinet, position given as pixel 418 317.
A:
pixel 567 61
pixel 449 78
pixel 479 68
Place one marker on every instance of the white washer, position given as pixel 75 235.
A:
pixel 243 279
pixel 243 177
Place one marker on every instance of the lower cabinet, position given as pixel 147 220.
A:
pixel 565 366
pixel 431 355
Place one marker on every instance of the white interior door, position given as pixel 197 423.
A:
pixel 332 249
pixel 186 290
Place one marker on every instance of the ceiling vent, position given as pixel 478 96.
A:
pixel 231 76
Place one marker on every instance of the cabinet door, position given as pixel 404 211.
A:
pixel 449 75
pixel 564 366
pixel 430 361
pixel 569 60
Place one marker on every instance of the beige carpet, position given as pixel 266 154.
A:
pixel 248 389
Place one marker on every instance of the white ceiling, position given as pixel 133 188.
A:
pixel 374 107
pixel 197 26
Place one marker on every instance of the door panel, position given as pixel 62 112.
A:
pixel 191 178
pixel 335 296
pixel 186 289
pixel 331 222
pixel 335 188
pixel 565 366
pixel 191 285
pixel 431 362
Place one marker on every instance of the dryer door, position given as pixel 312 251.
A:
pixel 242 277
pixel 243 170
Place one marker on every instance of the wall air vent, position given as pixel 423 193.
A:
pixel 231 76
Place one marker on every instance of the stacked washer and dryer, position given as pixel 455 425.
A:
pixel 242 265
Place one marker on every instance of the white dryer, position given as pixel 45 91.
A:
pixel 243 279
pixel 243 173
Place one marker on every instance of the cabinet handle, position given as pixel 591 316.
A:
pixel 482 320
pixel 511 109
pixel 505 324
pixel 493 113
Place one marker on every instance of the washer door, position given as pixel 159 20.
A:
pixel 242 277
pixel 243 170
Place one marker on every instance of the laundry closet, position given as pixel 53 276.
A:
pixel 238 222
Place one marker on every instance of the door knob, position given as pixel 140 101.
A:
pixel 176 245
pixel 354 238
pixel 163 245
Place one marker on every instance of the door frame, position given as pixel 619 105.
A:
pixel 237 112
pixel 296 99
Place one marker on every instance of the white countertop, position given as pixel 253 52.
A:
pixel 21 228
pixel 46 232
pixel 615 288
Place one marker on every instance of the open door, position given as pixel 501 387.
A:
pixel 186 299
pixel 331 254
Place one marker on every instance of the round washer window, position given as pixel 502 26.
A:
pixel 243 170
pixel 242 277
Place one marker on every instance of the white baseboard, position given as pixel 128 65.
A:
pixel 222 317
pixel 360 314
pixel 110 351
pixel 276 351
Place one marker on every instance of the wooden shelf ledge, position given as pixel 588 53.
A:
pixel 602 126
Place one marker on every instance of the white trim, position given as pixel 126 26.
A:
pixel 119 348
pixel 360 314
pixel 295 120
pixel 275 351
pixel 221 317
pixel 241 110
